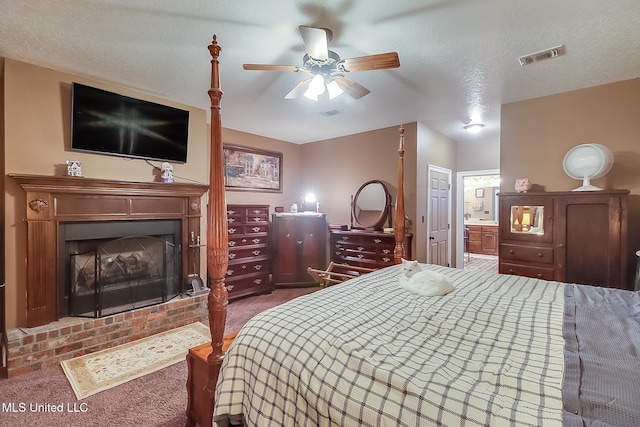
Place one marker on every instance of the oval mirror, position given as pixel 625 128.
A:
pixel 371 206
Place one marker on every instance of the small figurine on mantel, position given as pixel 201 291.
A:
pixel 74 168
pixel 523 185
pixel 167 172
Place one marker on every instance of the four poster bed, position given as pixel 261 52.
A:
pixel 497 350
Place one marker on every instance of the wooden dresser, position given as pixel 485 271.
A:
pixel 249 255
pixel 298 241
pixel 371 249
pixel 574 236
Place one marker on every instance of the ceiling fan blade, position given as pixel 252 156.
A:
pixel 266 67
pixel 315 42
pixel 355 90
pixel 371 62
pixel 299 90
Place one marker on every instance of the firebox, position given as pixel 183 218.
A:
pixel 109 267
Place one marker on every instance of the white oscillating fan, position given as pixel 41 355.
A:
pixel 587 162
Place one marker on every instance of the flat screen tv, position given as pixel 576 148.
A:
pixel 108 123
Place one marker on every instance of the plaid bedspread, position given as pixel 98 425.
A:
pixel 370 353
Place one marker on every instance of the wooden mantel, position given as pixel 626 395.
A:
pixel 54 199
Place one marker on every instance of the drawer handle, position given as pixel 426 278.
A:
pixel 511 251
pixel 232 256
pixel 360 256
pixel 257 211
pixel 231 219
pixel 229 272
pixel 299 242
pixel 360 248
pixel 386 251
pixel 257 267
pixel 257 281
pixel 244 240
pixel 229 287
pixel 256 241
pixel 540 276
pixel 377 240
pixel 232 230
pixel 385 259
pixel 256 229
pixel 244 266
pixel 256 219
pixel 540 254
pixel 256 252
pixel 232 243
pixel 338 252
pixel 512 271
pixel 346 238
pixel 231 212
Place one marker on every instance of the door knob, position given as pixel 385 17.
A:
pixel 432 238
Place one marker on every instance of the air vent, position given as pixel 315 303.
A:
pixel 330 113
pixel 553 52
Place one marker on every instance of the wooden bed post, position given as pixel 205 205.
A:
pixel 217 238
pixel 399 224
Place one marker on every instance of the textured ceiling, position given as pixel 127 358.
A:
pixel 459 58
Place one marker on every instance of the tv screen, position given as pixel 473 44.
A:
pixel 108 123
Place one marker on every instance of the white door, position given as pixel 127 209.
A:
pixel 438 213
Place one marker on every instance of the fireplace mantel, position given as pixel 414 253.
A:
pixel 54 199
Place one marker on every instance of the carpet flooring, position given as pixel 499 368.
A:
pixel 45 398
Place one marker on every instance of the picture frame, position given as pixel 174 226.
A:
pixel 479 193
pixel 251 169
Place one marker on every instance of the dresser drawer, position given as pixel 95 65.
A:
pixel 248 252
pixel 538 254
pixel 545 273
pixel 247 240
pixel 245 266
pixel 249 284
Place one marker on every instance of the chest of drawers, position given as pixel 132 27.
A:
pixel 249 252
pixel 371 249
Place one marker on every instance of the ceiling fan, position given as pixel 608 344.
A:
pixel 325 68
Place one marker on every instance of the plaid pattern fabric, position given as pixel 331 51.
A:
pixel 369 353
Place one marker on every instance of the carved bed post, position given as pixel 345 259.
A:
pixel 217 238
pixel 398 253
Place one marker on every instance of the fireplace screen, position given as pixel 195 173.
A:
pixel 122 274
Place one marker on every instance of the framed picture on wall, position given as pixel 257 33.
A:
pixel 250 169
pixel 479 193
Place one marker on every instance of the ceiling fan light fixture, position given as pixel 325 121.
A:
pixel 334 89
pixel 474 127
pixel 316 87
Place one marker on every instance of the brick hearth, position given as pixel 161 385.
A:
pixel 31 349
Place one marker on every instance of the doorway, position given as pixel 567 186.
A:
pixel 438 216
pixel 477 211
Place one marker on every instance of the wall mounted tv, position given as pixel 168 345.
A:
pixel 108 123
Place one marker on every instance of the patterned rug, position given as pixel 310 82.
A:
pixel 102 370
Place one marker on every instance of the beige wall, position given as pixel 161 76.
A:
pixel 479 154
pixel 437 150
pixel 536 134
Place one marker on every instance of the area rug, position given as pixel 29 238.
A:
pixel 102 370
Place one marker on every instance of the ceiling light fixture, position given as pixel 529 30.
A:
pixel 316 87
pixel 334 89
pixel 474 127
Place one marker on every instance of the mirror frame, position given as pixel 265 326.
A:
pixel 386 212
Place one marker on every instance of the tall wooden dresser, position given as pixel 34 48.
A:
pixel 299 241
pixel 574 236
pixel 363 248
pixel 249 254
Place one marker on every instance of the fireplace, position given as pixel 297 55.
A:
pixel 94 215
pixel 115 266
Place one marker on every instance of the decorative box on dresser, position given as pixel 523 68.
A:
pixel 363 248
pixel 573 236
pixel 298 241
pixel 249 255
